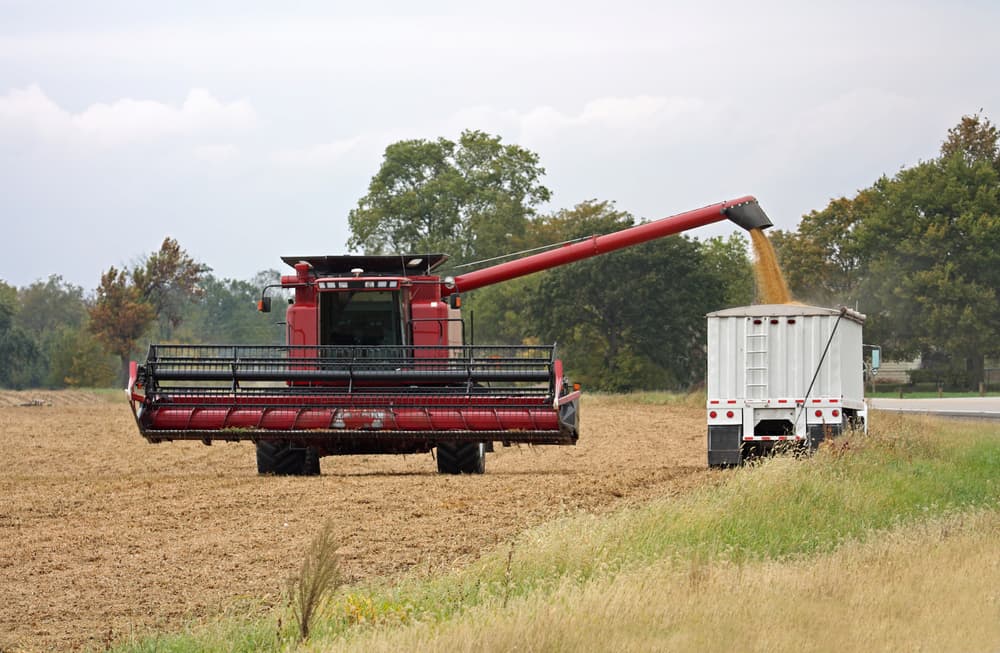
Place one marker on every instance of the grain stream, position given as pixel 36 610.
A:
pixel 771 285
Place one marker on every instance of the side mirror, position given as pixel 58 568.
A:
pixel 264 305
pixel 876 356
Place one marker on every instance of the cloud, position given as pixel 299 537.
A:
pixel 29 111
pixel 666 117
pixel 317 156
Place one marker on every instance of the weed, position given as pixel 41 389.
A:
pixel 363 609
pixel 319 575
pixel 507 575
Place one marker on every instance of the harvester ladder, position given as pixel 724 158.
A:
pixel 756 359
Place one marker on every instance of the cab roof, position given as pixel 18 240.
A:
pixel 396 265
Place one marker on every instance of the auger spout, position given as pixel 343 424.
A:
pixel 745 212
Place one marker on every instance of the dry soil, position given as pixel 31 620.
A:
pixel 103 534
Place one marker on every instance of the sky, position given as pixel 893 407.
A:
pixel 248 131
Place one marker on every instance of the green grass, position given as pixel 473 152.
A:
pixel 907 471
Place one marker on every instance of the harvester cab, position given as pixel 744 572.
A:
pixel 376 362
pixel 366 302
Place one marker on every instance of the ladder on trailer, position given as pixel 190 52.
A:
pixel 756 359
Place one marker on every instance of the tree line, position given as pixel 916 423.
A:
pixel 53 334
pixel 919 252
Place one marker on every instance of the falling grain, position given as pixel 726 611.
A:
pixel 771 286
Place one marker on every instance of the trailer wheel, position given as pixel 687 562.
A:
pixel 284 459
pixel 467 458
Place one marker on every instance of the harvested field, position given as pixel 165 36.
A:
pixel 103 533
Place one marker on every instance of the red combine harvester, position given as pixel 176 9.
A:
pixel 376 363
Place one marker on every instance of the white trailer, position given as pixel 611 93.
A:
pixel 782 373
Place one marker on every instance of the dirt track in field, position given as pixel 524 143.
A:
pixel 100 531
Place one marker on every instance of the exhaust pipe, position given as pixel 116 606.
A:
pixel 748 215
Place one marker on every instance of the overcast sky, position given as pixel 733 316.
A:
pixel 248 133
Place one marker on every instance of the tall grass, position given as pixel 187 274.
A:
pixel 779 514
pixel 927 586
pixel 318 577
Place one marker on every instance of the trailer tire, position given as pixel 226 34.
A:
pixel 284 459
pixel 465 458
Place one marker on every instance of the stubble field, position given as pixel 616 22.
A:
pixel 102 534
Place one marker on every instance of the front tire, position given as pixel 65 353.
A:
pixel 284 459
pixel 465 458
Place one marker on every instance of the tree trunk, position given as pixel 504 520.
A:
pixel 975 371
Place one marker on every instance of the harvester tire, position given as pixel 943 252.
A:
pixel 284 459
pixel 466 458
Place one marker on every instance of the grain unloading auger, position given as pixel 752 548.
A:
pixel 376 363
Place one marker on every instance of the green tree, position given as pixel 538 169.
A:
pixel 823 260
pixel 48 310
pixel 934 267
pixel 632 319
pixel 919 252
pixel 50 305
pixel 974 139
pixel 77 359
pixel 120 316
pixel 504 313
pixel 727 261
pixel 471 199
pixel 129 303
pixel 19 353
pixel 168 280
pixel 226 311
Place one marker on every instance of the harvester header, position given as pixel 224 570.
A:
pixel 376 361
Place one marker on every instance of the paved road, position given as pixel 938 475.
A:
pixel 968 407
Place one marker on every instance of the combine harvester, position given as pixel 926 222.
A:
pixel 376 363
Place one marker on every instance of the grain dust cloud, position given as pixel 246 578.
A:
pixel 771 286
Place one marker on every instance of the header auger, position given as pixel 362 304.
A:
pixel 376 362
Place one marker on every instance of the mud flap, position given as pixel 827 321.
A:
pixel 819 432
pixel 724 445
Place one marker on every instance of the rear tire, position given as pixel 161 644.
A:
pixel 466 458
pixel 284 459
